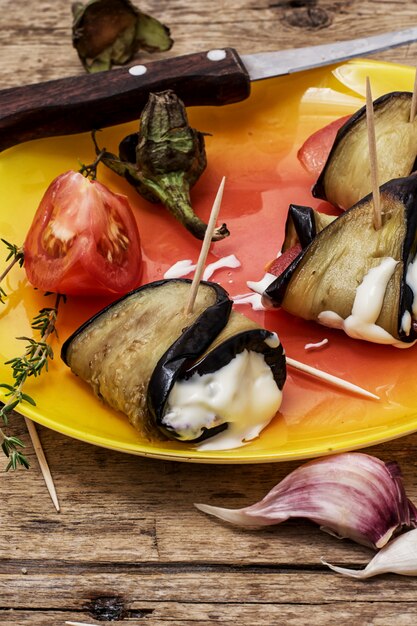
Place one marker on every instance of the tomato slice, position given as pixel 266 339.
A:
pixel 315 150
pixel 278 265
pixel 83 240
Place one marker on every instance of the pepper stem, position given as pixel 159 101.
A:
pixel 90 171
pixel 173 191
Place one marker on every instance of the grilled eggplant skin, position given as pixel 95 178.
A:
pixel 239 334
pixel 302 225
pixel 222 301
pixel 345 178
pixel 399 202
pixel 116 350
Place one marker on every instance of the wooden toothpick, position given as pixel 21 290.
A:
pixel 205 247
pixel 43 463
pixel 372 156
pixel 329 378
pixel 413 108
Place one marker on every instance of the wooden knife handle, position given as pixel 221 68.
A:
pixel 92 101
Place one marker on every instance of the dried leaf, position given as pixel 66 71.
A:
pixel 107 32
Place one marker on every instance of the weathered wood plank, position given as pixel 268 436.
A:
pixel 155 517
pixel 158 614
pixel 74 587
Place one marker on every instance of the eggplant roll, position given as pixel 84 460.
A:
pixel 145 357
pixel 346 177
pixel 356 278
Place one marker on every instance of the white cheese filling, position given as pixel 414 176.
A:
pixel 369 298
pixel 242 394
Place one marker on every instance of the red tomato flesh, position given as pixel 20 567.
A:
pixel 83 240
pixel 278 265
pixel 315 150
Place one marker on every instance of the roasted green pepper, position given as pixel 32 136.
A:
pixel 164 160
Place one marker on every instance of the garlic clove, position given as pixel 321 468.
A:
pixel 351 495
pixel 238 516
pixel 398 557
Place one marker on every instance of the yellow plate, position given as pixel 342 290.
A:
pixel 253 143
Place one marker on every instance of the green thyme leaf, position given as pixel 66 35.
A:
pixel 35 359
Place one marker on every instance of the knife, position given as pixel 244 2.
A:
pixel 81 103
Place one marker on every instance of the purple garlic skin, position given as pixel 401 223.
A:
pixel 351 495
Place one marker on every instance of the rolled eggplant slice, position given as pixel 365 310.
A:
pixel 133 352
pixel 345 178
pixel 356 278
pixel 116 350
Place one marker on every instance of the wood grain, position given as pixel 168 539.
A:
pixel 35 39
pixel 129 539
pixel 128 546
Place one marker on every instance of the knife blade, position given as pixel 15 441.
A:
pixel 266 64
pixel 216 77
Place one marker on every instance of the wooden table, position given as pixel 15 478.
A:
pixel 128 546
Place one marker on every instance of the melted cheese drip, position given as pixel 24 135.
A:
pixel 242 394
pixel 316 346
pixel 367 307
pixel 260 285
pixel 226 261
pixel 180 269
pixel 186 266
pixel 254 299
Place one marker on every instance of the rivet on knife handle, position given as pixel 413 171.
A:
pixel 81 103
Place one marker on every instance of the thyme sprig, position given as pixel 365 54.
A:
pixel 17 256
pixel 35 359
